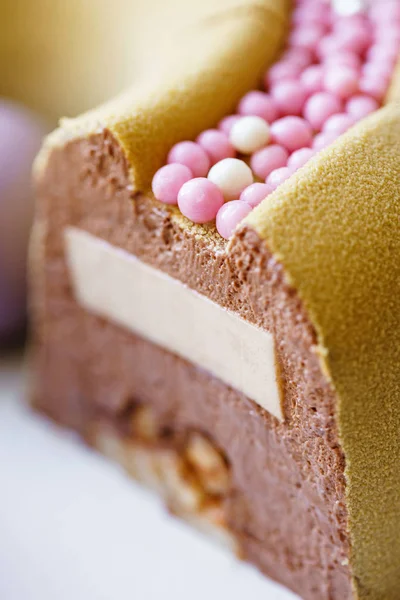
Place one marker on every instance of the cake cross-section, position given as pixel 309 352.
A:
pixel 215 276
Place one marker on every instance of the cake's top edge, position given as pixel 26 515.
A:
pixel 204 71
pixel 327 210
pixel 334 226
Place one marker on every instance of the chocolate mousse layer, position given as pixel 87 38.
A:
pixel 285 503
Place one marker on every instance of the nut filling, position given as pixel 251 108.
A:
pixel 185 468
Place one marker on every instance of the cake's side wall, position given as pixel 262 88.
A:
pixel 286 506
pixel 335 227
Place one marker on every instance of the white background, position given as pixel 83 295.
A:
pixel 73 527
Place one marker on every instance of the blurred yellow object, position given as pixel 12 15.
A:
pixel 63 57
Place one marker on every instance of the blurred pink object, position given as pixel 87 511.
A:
pixel 266 160
pixel 313 78
pixel 258 104
pixel 290 96
pixel 255 193
pixel 20 138
pixel 230 215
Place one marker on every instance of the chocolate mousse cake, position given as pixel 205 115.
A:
pixel 215 274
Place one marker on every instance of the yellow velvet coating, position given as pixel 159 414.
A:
pixel 63 57
pixel 205 69
pixel 335 226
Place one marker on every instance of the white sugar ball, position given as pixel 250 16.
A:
pixel 232 176
pixel 249 134
pixel 348 7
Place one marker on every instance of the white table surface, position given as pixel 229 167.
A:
pixel 73 527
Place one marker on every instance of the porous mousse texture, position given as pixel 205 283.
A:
pixel 273 489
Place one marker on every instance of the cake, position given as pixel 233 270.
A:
pixel 222 319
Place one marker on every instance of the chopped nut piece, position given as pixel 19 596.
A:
pixel 142 464
pixel 109 444
pixel 184 492
pixel 209 465
pixel 144 424
pixel 215 514
pixel 176 478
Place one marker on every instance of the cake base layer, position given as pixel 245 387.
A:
pixel 285 502
pixel 271 512
pixel 185 469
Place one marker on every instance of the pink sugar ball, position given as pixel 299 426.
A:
pixel 291 132
pixel 191 155
pixel 258 104
pixel 289 96
pixel 385 12
pixel 339 123
pixel 383 52
pixel 230 215
pixel 226 124
pixel 308 36
pixel 300 157
pixel 328 46
pixel 388 35
pixel 279 176
pixel 322 140
pixel 354 26
pixel 312 79
pixel 319 107
pixel 374 86
pixel 315 12
pixel 199 200
pixel 280 71
pixel 168 181
pixel 339 43
pixel 341 81
pixel 348 59
pixel 255 193
pixel 303 57
pixel 378 71
pixel 217 145
pixel 268 159
pixel 360 106
pixel 353 38
pixel 340 21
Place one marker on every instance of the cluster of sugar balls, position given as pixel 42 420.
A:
pixel 335 71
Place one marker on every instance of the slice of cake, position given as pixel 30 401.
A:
pixel 216 287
